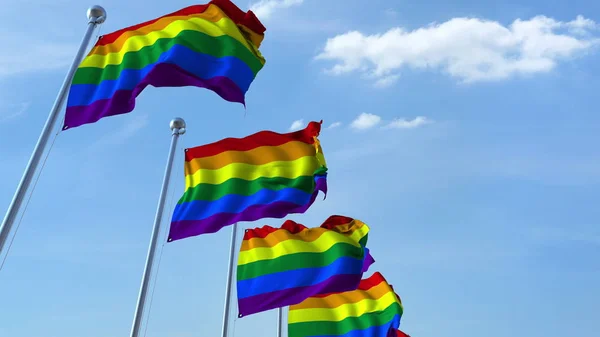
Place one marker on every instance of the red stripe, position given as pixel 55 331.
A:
pixel 294 227
pixel 401 334
pixel 336 220
pixel 372 281
pixel 249 20
pixel 262 232
pixel 262 138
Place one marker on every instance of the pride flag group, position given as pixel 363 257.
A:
pixel 318 271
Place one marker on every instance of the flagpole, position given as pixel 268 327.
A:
pixel 280 322
pixel 96 16
pixel 226 311
pixel 177 126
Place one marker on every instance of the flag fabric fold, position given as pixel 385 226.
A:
pixel 212 46
pixel 264 175
pixel 368 260
pixel 372 310
pixel 282 266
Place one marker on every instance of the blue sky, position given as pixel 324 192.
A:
pixel 467 138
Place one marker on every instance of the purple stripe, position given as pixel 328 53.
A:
pixel 187 228
pixel 368 261
pixel 162 75
pixel 263 302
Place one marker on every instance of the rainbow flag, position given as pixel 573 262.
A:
pixel 264 175
pixel 372 310
pixel 284 266
pixel 213 46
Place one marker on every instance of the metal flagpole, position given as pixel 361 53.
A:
pixel 280 322
pixel 178 128
pixel 229 282
pixel 96 16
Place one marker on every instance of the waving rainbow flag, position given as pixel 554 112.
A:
pixel 264 175
pixel 372 310
pixel 284 266
pixel 213 46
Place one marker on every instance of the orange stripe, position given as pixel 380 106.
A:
pixel 258 156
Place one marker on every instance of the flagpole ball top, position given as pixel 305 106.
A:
pixel 98 13
pixel 177 124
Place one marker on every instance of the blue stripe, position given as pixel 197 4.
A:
pixel 298 278
pixel 374 331
pixel 233 203
pixel 200 65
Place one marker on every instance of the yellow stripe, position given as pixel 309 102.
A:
pixel 321 158
pixel 224 26
pixel 304 166
pixel 323 243
pixel 320 154
pixel 344 311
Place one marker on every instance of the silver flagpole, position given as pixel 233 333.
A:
pixel 229 282
pixel 96 16
pixel 280 322
pixel 178 128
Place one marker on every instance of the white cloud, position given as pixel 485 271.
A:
pixel 581 25
pixel 120 136
pixel 391 12
pixel 22 54
pixel 468 49
pixel 334 125
pixel 365 121
pixel 400 123
pixel 386 81
pixel 297 125
pixel 13 111
pixel 265 8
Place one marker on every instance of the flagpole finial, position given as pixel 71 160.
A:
pixel 97 14
pixel 177 125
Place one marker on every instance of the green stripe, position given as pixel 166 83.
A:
pixel 363 240
pixel 199 42
pixel 298 261
pixel 321 170
pixel 211 192
pixel 321 328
